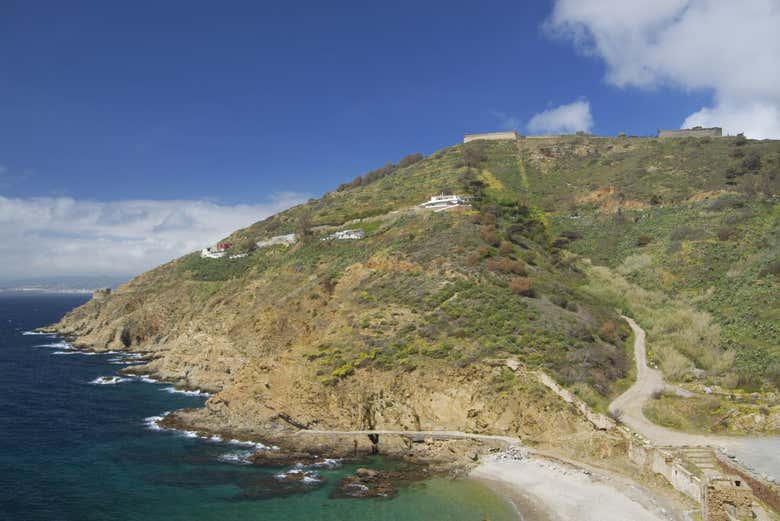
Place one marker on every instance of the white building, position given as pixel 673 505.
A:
pixel 356 234
pixel 443 202
pixel 210 253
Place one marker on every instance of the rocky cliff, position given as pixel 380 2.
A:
pixel 410 327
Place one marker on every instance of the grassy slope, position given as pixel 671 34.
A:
pixel 452 288
pixel 712 238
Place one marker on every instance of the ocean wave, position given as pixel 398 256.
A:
pixel 109 380
pixel 196 392
pixel 239 457
pixel 75 352
pixel 147 379
pixel 153 422
pixel 327 463
pixel 59 345
pixel 37 333
pixel 308 477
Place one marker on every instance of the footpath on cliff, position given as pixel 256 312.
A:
pixel 761 454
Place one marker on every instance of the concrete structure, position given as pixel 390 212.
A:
pixel 442 202
pixel 215 252
pixel 691 132
pixel 491 136
pixel 342 235
pixel 211 253
pixel 724 493
pixel 727 498
pixel 285 240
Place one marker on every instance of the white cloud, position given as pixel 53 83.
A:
pixel 44 237
pixel 506 121
pixel 564 119
pixel 728 47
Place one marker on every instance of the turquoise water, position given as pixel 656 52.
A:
pixel 75 450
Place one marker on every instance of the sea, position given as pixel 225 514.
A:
pixel 78 442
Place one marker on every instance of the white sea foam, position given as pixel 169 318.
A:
pixel 327 463
pixel 147 379
pixel 254 444
pixel 153 422
pixel 59 345
pixel 75 352
pixel 239 457
pixel 196 392
pixel 307 476
pixel 109 380
pixel 39 333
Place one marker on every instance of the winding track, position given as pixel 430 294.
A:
pixel 763 453
pixel 648 380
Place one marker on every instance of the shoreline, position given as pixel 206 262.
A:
pixel 542 489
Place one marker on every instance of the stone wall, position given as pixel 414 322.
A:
pixel 727 499
pixel 667 464
pixel 492 136
pixel 599 421
pixel 763 490
pixel 691 132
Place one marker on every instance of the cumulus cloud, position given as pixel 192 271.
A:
pixel 730 48
pixel 564 119
pixel 45 237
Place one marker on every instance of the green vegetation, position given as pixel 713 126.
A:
pixel 682 234
pixel 706 414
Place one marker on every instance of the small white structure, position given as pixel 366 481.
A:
pixel 211 253
pixel 285 240
pixel 443 202
pixel 343 235
pixel 238 256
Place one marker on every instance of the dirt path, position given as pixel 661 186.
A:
pixel 648 380
pixel 759 453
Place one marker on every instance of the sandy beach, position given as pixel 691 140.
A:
pixel 546 490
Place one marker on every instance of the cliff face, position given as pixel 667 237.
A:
pixel 409 327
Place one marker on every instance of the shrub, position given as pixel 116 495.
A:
pixel 506 248
pixel 643 240
pixel 473 153
pixel 522 286
pixel 616 415
pixel 726 234
pixel 410 160
pixel 608 332
pixel 343 371
pixel 740 139
pixel 506 265
pixel 773 268
pixel 490 236
pixel 752 162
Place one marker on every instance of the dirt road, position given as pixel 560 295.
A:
pixel 763 454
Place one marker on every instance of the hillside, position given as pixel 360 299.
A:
pixel 403 329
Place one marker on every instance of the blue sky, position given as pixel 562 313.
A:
pixel 241 103
pixel 231 101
